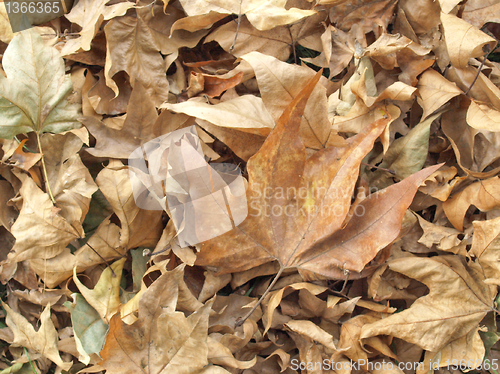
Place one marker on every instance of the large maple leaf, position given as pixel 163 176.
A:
pixel 300 211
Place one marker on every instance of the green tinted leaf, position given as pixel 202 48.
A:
pixel 33 96
pixel 90 329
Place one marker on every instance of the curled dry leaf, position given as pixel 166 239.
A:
pixel 40 230
pixel 132 48
pixel 485 247
pixel 463 40
pixel 43 341
pixel 90 15
pixel 245 113
pixel 434 91
pixel 482 194
pixel 279 84
pixel 162 340
pixel 262 14
pixel 136 129
pixel 439 318
pixel 105 296
pixel 138 226
pixel 308 232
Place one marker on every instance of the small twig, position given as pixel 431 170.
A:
pixel 147 252
pixel 488 49
pixel 378 167
pixel 102 258
pixel 237 30
pixel 240 321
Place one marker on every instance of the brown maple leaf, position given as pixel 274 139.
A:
pixel 300 212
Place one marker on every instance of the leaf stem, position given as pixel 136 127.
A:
pixel 45 175
pixel 240 321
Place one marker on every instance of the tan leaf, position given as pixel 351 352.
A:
pixel 70 181
pixel 469 349
pixel 457 301
pixel 137 127
pixel 102 98
pixel 44 341
pixel 219 354
pixel 312 331
pixel 279 83
pixel 485 247
pixel 90 15
pixel 161 340
pixel 463 40
pixel 445 238
pixel 479 12
pixel 448 5
pixel 138 226
pixel 483 194
pixel 243 144
pixel 483 117
pixel 161 26
pixel 40 230
pixel 276 297
pixel 364 13
pixel 244 113
pixel 105 241
pixel 434 91
pixel 275 42
pixel 262 14
pixel 303 238
pixel 8 214
pixel 350 344
pixel 105 296
pixel 131 47
pixel 6 33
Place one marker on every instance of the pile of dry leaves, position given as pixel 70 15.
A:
pixel 371 239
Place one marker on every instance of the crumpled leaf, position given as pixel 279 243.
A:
pixel 365 13
pixel 311 236
pixel 245 113
pixel 350 343
pixel 105 241
pixel 479 12
pixel 441 317
pixel 43 341
pixel 463 40
pixel 434 91
pixel 131 47
pixel 105 296
pixel 161 340
pixel 90 14
pixel 405 155
pixel 33 96
pixel 40 230
pixel 136 129
pixel 138 226
pixel 312 331
pixel 485 247
pixel 445 238
pixel 262 14
pixel 279 84
pixel 483 194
